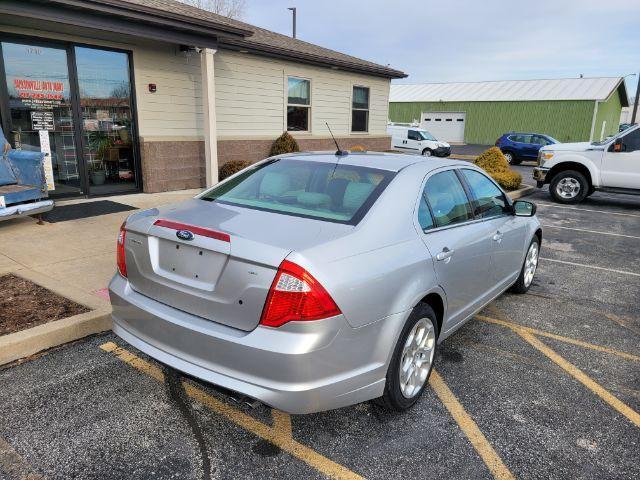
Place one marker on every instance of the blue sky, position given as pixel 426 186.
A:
pixel 471 40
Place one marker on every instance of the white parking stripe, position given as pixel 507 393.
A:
pixel 588 210
pixel 592 231
pixel 624 272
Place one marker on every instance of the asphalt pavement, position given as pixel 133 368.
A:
pixel 542 385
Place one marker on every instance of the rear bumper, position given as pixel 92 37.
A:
pixel 540 175
pixel 13 211
pixel 301 367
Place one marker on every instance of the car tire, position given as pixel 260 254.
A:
pixel 401 393
pixel 529 267
pixel 569 187
pixel 511 158
pixel 427 152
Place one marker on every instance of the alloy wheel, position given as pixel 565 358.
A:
pixel 530 264
pixel 568 188
pixel 417 357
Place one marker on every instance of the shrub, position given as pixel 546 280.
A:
pixel 493 162
pixel 358 148
pixel 508 180
pixel 285 143
pixel 232 167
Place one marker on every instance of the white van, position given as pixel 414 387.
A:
pixel 417 140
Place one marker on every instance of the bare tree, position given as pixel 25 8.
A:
pixel 227 8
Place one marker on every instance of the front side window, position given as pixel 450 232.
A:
pixel 488 198
pixel 447 199
pixel 360 110
pixel 414 135
pixel 324 191
pixel 631 141
pixel 298 104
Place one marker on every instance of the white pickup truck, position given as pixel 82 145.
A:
pixel 576 170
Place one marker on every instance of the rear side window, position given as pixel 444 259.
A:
pixel 489 201
pixel 447 199
pixel 325 191
pixel 424 215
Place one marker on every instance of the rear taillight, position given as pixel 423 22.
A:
pixel 296 296
pixel 120 255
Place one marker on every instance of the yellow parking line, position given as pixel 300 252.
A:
pixel 491 459
pixel 282 422
pixel 14 465
pixel 279 434
pixel 583 378
pixel 521 328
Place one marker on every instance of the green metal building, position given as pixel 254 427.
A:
pixel 569 109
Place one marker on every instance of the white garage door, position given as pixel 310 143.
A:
pixel 446 126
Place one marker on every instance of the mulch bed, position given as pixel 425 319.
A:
pixel 23 304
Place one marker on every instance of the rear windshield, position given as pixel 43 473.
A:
pixel 325 191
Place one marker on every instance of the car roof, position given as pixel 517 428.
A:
pixel 526 133
pixel 393 162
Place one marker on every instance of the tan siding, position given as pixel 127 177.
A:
pixel 250 92
pixel 250 97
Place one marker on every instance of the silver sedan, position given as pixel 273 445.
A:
pixel 316 281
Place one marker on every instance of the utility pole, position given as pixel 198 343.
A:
pixel 635 103
pixel 293 9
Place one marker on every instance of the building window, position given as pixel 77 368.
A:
pixel 360 110
pixel 298 104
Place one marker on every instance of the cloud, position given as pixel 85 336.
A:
pixel 470 40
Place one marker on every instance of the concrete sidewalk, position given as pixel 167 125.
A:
pixel 77 254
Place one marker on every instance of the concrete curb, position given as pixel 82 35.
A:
pixel 42 337
pixel 522 192
pixel 33 340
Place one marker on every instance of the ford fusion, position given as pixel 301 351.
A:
pixel 315 281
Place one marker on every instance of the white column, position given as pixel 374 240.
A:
pixel 209 110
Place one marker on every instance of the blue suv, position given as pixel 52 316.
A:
pixel 517 147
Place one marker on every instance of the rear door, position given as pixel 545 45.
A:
pixel 622 169
pixel 508 232
pixel 460 245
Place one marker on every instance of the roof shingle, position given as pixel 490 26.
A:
pixel 265 41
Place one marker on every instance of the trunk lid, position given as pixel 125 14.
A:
pixel 223 281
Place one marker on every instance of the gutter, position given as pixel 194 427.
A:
pixel 142 13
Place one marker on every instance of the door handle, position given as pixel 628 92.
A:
pixel 498 236
pixel 445 255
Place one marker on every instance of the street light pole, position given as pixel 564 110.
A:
pixel 635 103
pixel 293 9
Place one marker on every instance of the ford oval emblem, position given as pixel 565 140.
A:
pixel 185 235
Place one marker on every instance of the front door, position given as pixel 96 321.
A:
pixel 74 104
pixel 508 232
pixel 460 246
pixel 621 169
pixel 105 102
pixel 40 111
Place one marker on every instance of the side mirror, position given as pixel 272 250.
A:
pixel 522 208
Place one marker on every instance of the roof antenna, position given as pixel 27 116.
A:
pixel 339 153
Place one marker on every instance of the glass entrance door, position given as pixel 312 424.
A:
pixel 104 91
pixel 40 110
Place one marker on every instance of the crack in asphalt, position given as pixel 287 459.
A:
pixel 176 392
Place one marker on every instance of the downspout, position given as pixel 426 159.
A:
pixel 207 67
pixel 593 120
